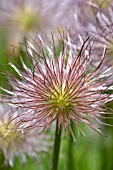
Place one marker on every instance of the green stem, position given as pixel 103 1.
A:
pixel 70 159
pixel 56 148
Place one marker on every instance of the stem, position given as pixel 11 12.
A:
pixel 70 159
pixel 56 148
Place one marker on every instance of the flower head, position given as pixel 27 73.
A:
pixel 24 17
pixel 14 141
pixel 101 26
pixel 60 87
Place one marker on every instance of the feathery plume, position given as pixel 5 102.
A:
pixel 15 141
pixel 62 87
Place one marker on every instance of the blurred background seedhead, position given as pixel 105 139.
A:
pixel 17 143
pixel 24 18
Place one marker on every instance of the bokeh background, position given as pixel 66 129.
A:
pixel 21 19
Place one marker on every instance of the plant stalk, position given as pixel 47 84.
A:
pixel 70 156
pixel 56 148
